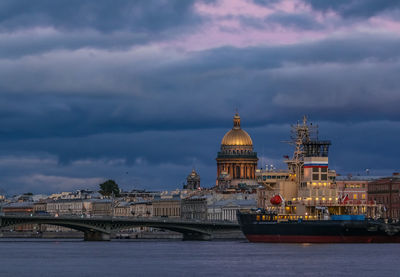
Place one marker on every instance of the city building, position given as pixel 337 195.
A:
pixel 40 207
pixel 226 209
pixel 352 190
pixel 167 207
pixel 386 192
pixel 192 181
pixel 236 161
pixel 122 209
pixel 137 195
pixel 85 207
pixel 194 207
pixel 20 208
pixel 142 208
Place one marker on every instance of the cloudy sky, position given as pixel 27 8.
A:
pixel 143 91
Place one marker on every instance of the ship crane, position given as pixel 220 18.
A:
pixel 300 135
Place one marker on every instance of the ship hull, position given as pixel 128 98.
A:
pixel 321 239
pixel 318 231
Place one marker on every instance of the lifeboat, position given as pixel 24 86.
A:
pixel 276 200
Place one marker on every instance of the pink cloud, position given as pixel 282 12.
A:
pixel 232 8
pixel 225 28
pixel 224 25
pixel 385 24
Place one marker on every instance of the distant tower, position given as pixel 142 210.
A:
pixel 236 162
pixel 192 181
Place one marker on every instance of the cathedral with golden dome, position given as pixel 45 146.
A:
pixel 236 162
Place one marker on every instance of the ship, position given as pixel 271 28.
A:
pixel 262 226
pixel 307 207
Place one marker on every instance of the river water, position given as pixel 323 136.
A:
pixel 37 257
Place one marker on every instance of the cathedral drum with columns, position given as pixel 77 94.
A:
pixel 236 162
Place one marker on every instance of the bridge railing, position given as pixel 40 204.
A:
pixel 121 218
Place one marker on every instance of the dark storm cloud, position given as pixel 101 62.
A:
pixel 153 159
pixel 21 43
pixel 101 15
pixel 295 21
pixel 356 8
pixel 32 27
pixel 82 96
pixel 277 20
pixel 358 47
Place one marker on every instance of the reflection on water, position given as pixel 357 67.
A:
pixel 177 258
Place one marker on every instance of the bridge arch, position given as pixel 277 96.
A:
pixel 101 228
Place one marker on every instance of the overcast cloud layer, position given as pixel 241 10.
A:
pixel 143 91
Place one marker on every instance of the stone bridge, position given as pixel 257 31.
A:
pixel 101 228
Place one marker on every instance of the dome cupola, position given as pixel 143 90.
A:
pixel 237 136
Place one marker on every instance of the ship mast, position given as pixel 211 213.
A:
pixel 300 134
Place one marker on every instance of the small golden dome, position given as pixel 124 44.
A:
pixel 237 136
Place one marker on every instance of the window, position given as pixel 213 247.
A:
pixel 324 177
pixel 355 196
pixel 363 196
pixel 237 172
pixel 315 176
pixel 324 169
pixel 315 169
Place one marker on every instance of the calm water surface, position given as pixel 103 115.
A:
pixel 20 257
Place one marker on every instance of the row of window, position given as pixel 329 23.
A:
pixel 167 211
pixel 237 151
pixel 386 199
pixel 283 177
pixel 320 169
pixel 354 186
pixel 322 177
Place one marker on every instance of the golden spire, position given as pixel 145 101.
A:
pixel 236 121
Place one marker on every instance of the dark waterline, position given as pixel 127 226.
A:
pixel 36 257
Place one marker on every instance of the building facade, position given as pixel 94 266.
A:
pixel 142 209
pixel 386 192
pixel 352 190
pixel 20 208
pixel 226 210
pixel 167 207
pixel 85 207
pixel 194 207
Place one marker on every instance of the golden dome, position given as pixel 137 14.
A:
pixel 237 136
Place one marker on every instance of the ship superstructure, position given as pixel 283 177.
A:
pixel 311 189
pixel 304 205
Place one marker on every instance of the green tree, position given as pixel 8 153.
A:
pixel 108 187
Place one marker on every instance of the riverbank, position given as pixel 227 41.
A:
pixel 233 235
